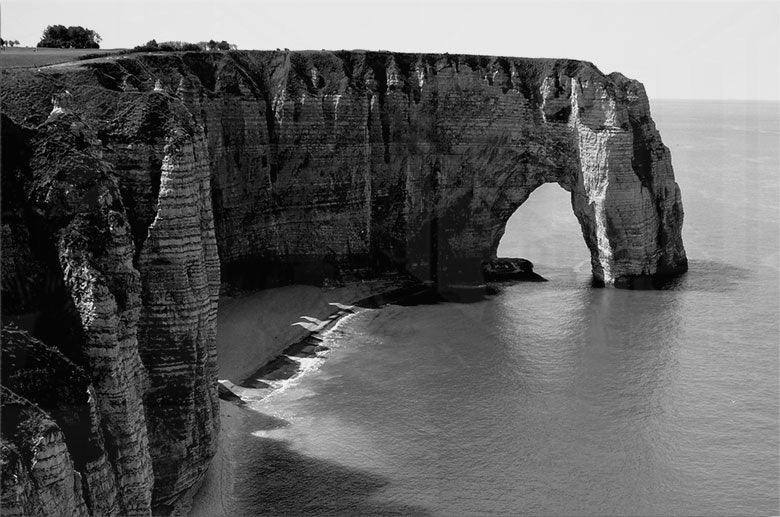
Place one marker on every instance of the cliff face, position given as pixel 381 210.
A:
pixel 135 309
pixel 53 441
pixel 131 183
pixel 39 477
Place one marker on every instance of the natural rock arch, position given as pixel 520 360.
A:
pixel 597 142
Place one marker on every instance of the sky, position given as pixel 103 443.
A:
pixel 679 50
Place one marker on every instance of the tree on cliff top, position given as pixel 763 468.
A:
pixel 75 36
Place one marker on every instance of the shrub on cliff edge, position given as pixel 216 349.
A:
pixel 174 46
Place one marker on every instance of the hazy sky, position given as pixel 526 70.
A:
pixel 700 50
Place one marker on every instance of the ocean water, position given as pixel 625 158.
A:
pixel 560 398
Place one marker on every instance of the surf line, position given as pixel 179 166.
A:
pixel 309 353
pixel 303 356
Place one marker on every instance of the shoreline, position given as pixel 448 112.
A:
pixel 310 346
pixel 214 495
pixel 292 349
pixel 256 327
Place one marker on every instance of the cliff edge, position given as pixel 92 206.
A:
pixel 133 185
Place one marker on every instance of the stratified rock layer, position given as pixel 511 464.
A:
pixel 145 341
pixel 39 477
pixel 135 181
pixel 61 392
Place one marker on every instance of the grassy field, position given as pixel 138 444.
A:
pixel 23 57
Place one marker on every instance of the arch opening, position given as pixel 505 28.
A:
pixel 544 229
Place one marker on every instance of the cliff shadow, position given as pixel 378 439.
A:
pixel 273 479
pixel 420 293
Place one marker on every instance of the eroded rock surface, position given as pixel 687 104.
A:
pixel 66 402
pixel 132 183
pixel 39 477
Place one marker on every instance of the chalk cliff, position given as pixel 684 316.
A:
pixel 132 185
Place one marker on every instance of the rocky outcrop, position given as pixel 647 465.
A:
pixel 180 270
pixel 136 181
pixel 146 341
pixel 49 396
pixel 76 219
pixel 39 477
pixel 501 269
pixel 625 195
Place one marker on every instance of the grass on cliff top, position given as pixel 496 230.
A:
pixel 24 57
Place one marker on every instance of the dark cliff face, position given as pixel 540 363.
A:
pixel 131 183
pixel 45 394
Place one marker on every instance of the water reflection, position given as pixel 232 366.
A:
pixel 596 388
pixel 553 398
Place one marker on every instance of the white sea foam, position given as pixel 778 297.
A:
pixel 307 365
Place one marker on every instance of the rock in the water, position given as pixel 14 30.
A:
pixel 499 269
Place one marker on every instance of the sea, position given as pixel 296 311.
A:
pixel 560 398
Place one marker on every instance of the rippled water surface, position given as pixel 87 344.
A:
pixel 557 397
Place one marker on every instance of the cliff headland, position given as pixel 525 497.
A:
pixel 135 186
